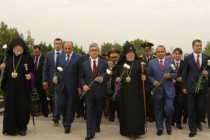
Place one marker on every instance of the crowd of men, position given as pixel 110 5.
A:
pixel 152 87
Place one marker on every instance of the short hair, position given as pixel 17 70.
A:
pixel 93 45
pixel 67 42
pixel 195 41
pixel 161 46
pixel 37 47
pixel 178 50
pixel 57 39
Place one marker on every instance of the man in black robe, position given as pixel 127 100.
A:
pixel 17 86
pixel 131 97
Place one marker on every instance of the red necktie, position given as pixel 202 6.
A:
pixel 198 61
pixel 161 64
pixel 177 66
pixel 36 63
pixel 94 68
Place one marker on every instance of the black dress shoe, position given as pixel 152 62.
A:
pixel 151 119
pixel 192 134
pixel 169 132
pixel 159 132
pixel 67 130
pixel 199 126
pixel 185 121
pixel 89 137
pixel 22 132
pixel 179 126
pixel 98 129
pixel 56 122
pixel 203 121
pixel 45 115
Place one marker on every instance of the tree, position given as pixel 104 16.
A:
pixel 106 46
pixel 45 48
pixel 6 35
pixel 78 49
pixel 137 43
pixel 207 48
pixel 29 41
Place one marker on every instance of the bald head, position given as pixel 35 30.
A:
pixel 68 47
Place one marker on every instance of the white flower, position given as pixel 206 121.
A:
pixel 172 67
pixel 108 71
pixel 5 46
pixel 126 66
pixel 142 63
pixel 208 63
pixel 59 69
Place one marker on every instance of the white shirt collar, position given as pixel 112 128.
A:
pixel 163 59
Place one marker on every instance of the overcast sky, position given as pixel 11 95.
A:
pixel 172 23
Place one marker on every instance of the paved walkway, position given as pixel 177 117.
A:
pixel 45 130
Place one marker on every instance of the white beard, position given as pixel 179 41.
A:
pixel 130 59
pixel 19 52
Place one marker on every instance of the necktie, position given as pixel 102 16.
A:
pixel 67 59
pixel 36 63
pixel 57 53
pixel 177 66
pixel 198 61
pixel 94 68
pixel 147 59
pixel 161 64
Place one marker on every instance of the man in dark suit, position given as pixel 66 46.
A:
pixel 195 66
pixel 47 75
pixel 94 69
pixel 68 84
pixel 38 63
pixel 180 98
pixel 160 69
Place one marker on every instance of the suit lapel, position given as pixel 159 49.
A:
pixel 204 60
pixel 89 67
pixel 98 68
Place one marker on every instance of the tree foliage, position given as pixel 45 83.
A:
pixel 78 49
pixel 106 46
pixel 45 48
pixel 207 48
pixel 137 43
pixel 6 35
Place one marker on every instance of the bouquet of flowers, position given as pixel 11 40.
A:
pixel 59 69
pixel 162 80
pixel 108 71
pixel 125 67
pixel 200 79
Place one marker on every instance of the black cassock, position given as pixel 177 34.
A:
pixel 16 95
pixel 131 101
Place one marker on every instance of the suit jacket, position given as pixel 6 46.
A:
pixel 191 73
pixel 178 85
pixel 38 72
pixel 99 89
pixel 87 57
pixel 69 77
pixel 155 73
pixel 49 67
